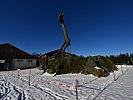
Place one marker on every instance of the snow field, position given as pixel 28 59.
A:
pixel 121 89
pixel 31 85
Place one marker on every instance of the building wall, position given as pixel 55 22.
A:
pixel 2 64
pixel 23 63
pixel 9 55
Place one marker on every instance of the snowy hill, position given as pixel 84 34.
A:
pixel 31 85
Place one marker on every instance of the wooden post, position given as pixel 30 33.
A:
pixel 114 76
pixel 29 77
pixel 18 76
pixel 77 83
pixel 121 70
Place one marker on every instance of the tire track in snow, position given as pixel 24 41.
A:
pixel 45 90
pixel 10 91
pixel 4 89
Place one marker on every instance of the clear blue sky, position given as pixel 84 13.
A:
pixel 94 26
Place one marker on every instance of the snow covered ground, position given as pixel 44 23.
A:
pixel 31 85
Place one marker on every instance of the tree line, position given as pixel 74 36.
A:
pixel 126 58
pixel 122 58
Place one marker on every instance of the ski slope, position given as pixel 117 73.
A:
pixel 32 85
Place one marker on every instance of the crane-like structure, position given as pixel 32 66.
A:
pixel 67 40
pixel 49 58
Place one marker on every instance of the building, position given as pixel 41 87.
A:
pixel 12 57
pixel 46 59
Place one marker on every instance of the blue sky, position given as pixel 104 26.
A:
pixel 95 27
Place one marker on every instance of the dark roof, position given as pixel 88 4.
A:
pixel 8 51
pixel 51 52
